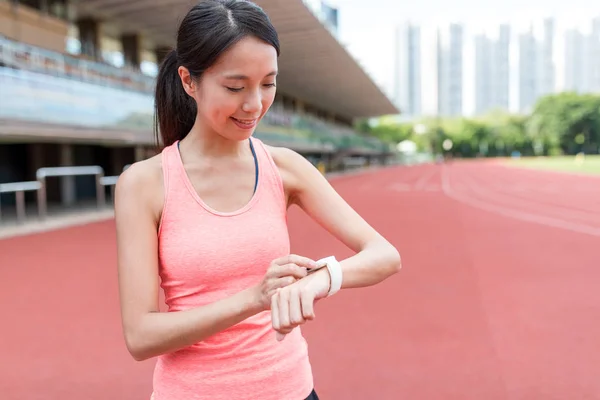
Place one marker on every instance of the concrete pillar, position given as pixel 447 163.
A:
pixel 89 36
pixel 116 164
pixel 35 158
pixel 67 183
pixel 132 49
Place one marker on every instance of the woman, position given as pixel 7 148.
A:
pixel 207 216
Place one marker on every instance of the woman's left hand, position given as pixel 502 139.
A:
pixel 293 305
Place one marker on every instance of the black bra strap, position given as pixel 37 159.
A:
pixel 255 165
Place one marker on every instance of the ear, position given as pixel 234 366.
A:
pixel 186 81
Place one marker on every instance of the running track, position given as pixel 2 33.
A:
pixel 498 297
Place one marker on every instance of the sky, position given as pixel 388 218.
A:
pixel 367 27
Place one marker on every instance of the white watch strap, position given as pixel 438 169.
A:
pixel 335 274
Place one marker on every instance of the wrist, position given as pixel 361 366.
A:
pixel 325 285
pixel 252 301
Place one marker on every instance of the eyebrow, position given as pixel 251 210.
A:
pixel 244 77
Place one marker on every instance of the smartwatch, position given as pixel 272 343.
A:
pixel 335 273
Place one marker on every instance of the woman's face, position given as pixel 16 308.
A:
pixel 237 91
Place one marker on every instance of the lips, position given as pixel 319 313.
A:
pixel 245 123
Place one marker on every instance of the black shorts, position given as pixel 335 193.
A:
pixel 312 396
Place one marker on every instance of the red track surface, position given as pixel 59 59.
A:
pixel 498 297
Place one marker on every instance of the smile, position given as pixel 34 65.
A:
pixel 245 123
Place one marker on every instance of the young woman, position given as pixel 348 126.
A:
pixel 207 217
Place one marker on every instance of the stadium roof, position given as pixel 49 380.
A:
pixel 314 66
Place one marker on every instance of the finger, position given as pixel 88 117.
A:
pixel 296 259
pixel 284 308
pixel 307 303
pixel 279 283
pixel 296 317
pixel 275 311
pixel 282 282
pixel 302 261
pixel 282 333
pixel 289 270
pixel 280 303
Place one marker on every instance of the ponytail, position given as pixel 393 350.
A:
pixel 174 110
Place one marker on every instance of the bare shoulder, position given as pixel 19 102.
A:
pixel 141 185
pixel 141 174
pixel 291 162
pixel 296 171
pixel 284 157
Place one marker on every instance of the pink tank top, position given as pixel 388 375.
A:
pixel 206 255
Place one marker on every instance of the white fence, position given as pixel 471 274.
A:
pixel 39 186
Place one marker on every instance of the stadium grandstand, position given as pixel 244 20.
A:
pixel 77 80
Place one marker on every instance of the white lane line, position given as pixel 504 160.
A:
pixel 515 214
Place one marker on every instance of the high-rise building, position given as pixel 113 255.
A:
pixel 450 70
pixel 537 71
pixel 528 61
pixel 582 58
pixel 547 71
pixel 594 44
pixel 492 71
pixel 407 70
pixel 483 73
pixel 578 66
pixel 501 69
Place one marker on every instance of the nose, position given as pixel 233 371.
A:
pixel 253 103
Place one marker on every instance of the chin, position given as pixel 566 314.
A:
pixel 236 135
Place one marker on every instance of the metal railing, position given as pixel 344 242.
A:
pixel 39 186
pixel 19 189
pixel 44 173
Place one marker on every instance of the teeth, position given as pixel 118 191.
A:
pixel 247 122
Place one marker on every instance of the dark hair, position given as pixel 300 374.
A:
pixel 208 29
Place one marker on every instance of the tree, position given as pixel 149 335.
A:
pixel 560 123
pixel 568 122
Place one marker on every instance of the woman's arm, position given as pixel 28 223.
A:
pixel 149 332
pixel 375 259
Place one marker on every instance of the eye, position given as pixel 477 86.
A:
pixel 235 90
pixel 269 85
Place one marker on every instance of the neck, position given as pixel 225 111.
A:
pixel 203 141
